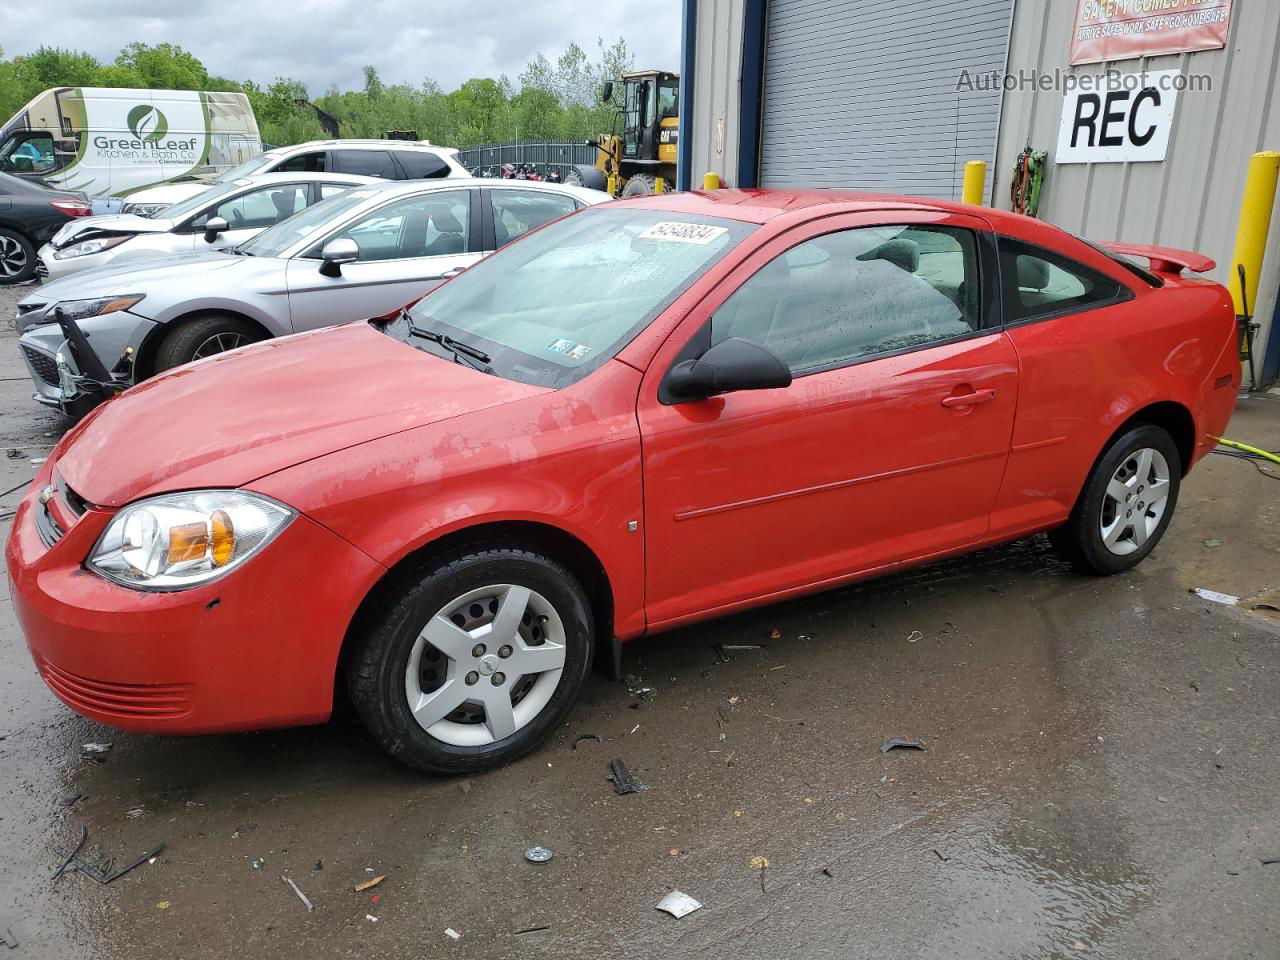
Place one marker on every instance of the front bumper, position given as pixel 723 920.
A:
pixel 258 648
pixel 51 268
pixel 43 343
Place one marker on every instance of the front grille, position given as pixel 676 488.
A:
pixel 48 528
pixel 134 700
pixel 74 501
pixel 41 270
pixel 43 364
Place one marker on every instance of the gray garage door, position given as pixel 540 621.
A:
pixel 863 93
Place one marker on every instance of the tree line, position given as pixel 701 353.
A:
pixel 549 100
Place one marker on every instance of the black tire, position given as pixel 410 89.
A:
pixel 574 178
pixel 17 257
pixel 377 672
pixel 181 344
pixel 640 185
pixel 1080 539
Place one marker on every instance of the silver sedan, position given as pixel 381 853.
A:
pixel 362 253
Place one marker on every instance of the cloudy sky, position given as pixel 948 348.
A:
pixel 327 42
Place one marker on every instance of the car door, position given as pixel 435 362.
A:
pixel 408 246
pixel 249 213
pixel 889 444
pixel 511 212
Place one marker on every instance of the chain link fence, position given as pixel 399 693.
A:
pixel 485 160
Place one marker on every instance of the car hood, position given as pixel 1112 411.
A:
pixel 234 417
pixel 135 276
pixel 111 224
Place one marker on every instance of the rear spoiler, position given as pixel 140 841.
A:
pixel 1165 259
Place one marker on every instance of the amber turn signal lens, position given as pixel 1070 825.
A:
pixel 187 541
pixel 223 540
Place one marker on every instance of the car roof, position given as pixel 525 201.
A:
pixel 407 187
pixel 305 176
pixel 369 144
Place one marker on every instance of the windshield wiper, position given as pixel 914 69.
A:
pixel 456 347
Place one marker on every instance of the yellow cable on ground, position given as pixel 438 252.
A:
pixel 1265 454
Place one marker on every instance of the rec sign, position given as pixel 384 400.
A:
pixel 1126 118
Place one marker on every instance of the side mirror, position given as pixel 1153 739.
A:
pixel 606 92
pixel 336 253
pixel 732 364
pixel 214 226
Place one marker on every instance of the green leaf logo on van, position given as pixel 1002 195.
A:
pixel 147 123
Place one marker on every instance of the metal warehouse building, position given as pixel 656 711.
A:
pixel 897 95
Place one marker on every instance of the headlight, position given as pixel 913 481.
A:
pixel 84 309
pixel 86 247
pixel 181 540
pixel 144 209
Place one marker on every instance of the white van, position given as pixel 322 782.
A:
pixel 109 142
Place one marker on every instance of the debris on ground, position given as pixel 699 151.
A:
pixel 95 747
pixel 452 934
pixel 1206 594
pixel 915 636
pixel 164 905
pixel 136 812
pixel 464 786
pixel 941 856
pixel 538 854
pixel 520 933
pixel 100 873
pixel 1212 542
pixel 258 863
pixel 36 461
pixel 678 904
pixel 623 781
pixel 761 864
pixel 905 742
pixel 1268 861
pixel 585 737
pixel 775 634
pixel 69 797
pixel 13 453
pixel 371 918
pixel 742 646
pixel 369 884
pixel 7 939
pixel 301 896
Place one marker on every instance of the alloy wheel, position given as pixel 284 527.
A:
pixel 13 258
pixel 219 343
pixel 1134 502
pixel 485 665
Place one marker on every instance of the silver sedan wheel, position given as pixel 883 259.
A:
pixel 1135 501
pixel 13 258
pixel 485 665
pixel 219 343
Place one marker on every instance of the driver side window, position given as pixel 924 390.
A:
pixel 838 298
pixel 258 209
pixel 427 225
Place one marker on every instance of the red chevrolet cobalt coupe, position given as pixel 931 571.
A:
pixel 642 415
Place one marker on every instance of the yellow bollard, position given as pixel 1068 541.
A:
pixel 711 181
pixel 1255 223
pixel 612 186
pixel 975 182
pixel 659 185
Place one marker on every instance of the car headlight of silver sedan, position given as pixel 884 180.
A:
pixel 143 209
pixel 84 309
pixel 182 540
pixel 86 247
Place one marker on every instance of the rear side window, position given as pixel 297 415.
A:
pixel 516 212
pixel 1039 283
pixel 421 165
pixel 368 163
pixel 303 162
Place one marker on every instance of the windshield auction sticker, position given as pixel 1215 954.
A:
pixel 570 348
pixel 683 232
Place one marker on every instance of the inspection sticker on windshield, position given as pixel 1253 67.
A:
pixel 683 232
pixel 570 348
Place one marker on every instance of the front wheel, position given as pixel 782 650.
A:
pixel 476 661
pixel 1126 505
pixel 640 185
pixel 203 337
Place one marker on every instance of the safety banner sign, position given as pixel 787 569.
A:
pixel 1124 29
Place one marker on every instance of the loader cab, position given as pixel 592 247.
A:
pixel 648 99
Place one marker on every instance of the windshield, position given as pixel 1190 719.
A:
pixel 252 165
pixel 274 241
pixel 555 305
pixel 183 208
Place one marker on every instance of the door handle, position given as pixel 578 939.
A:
pixel 969 399
pixel 451 273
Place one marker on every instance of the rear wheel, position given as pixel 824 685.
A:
pixel 476 661
pixel 640 185
pixel 17 257
pixel 1126 505
pixel 203 337
pixel 574 178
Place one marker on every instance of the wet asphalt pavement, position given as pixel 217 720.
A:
pixel 1100 779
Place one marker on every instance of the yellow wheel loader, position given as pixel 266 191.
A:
pixel 631 164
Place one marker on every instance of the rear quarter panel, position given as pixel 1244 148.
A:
pixel 1084 374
